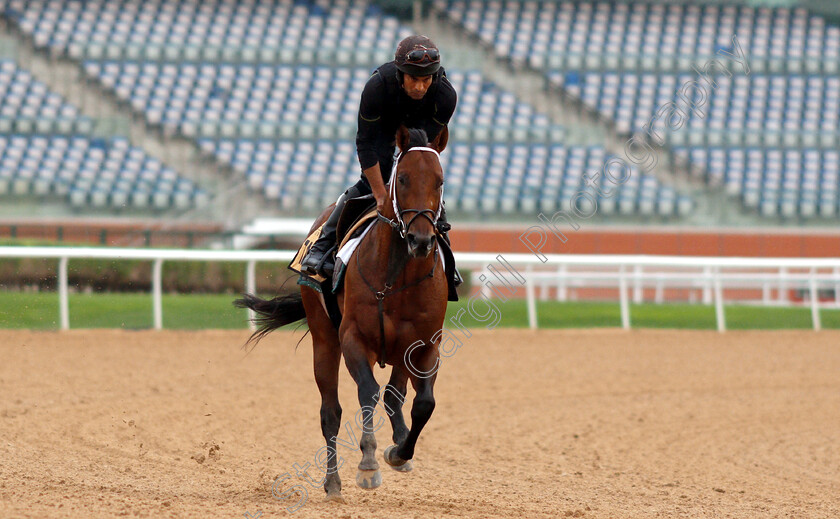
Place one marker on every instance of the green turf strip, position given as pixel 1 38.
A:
pixel 199 311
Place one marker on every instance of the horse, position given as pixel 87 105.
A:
pixel 393 303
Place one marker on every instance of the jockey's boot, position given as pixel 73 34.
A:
pixel 443 228
pixel 319 260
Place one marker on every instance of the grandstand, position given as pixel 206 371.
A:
pixel 204 74
pixel 47 150
pixel 29 107
pixel 647 36
pixel 265 95
pixel 625 61
pixel 92 172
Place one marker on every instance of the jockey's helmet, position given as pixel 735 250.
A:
pixel 417 56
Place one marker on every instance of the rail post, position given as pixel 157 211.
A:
pixel 623 298
pixel 157 293
pixel 63 298
pixel 719 315
pixel 251 288
pixel 562 291
pixel 815 300
pixel 638 289
pixel 532 304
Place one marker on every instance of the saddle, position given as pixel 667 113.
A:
pixel 356 211
pixel 351 223
pixel 358 214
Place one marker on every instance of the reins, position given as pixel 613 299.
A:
pixel 399 225
pixel 389 290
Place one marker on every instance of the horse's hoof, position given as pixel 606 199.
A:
pixel 335 497
pixel 368 479
pixel 395 462
pixel 408 466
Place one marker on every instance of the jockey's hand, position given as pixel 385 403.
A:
pixel 377 186
pixel 381 201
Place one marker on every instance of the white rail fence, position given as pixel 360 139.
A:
pixel 709 276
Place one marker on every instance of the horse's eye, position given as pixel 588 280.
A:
pixel 401 180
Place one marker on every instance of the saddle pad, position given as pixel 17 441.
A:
pixel 343 257
pixel 363 221
pixel 348 247
pixel 315 281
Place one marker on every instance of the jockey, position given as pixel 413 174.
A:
pixel 412 91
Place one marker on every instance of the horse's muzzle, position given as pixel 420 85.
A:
pixel 419 246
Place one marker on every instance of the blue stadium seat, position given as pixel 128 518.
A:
pixel 244 80
pixel 627 60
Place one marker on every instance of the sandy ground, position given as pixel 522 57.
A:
pixel 589 424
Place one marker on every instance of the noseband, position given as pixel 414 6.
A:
pixel 399 223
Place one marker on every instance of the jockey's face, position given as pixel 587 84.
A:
pixel 416 86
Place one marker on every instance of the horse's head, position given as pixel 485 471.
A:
pixel 417 188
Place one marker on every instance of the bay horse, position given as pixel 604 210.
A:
pixel 393 303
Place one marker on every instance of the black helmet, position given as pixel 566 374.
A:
pixel 417 56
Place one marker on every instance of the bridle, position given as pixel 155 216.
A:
pixel 398 223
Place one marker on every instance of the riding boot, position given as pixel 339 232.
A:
pixel 443 228
pixel 453 277
pixel 319 259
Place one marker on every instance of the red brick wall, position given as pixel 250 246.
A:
pixel 467 238
pixel 758 243
pixel 132 234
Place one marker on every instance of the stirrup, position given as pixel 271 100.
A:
pixel 307 263
pixel 326 265
pixel 457 280
pixel 311 263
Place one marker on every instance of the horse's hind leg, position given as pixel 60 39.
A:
pixel 393 398
pixel 327 359
pixel 421 408
pixel 368 476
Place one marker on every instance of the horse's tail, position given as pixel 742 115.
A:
pixel 272 313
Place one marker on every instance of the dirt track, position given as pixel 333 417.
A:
pixel 550 424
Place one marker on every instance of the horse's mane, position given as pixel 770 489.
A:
pixel 417 137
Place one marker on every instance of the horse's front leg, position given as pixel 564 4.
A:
pixel 368 475
pixel 423 372
pixel 393 398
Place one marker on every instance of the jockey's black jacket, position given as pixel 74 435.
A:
pixel 385 106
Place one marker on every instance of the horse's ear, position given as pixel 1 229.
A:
pixel 402 138
pixel 442 138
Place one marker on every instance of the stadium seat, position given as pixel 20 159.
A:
pixel 244 81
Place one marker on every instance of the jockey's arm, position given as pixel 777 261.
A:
pixel 377 185
pixel 370 120
pixel 445 103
